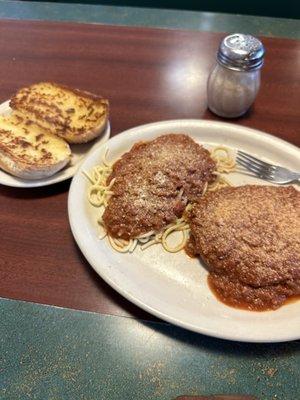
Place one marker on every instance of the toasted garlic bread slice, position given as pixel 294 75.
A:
pixel 75 115
pixel 29 151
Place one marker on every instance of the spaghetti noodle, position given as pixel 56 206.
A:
pixel 99 193
pixel 223 158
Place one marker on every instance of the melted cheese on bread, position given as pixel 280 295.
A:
pixel 75 115
pixel 29 151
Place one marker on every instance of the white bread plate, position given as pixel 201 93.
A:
pixel 79 152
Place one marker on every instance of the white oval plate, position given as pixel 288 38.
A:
pixel 79 151
pixel 172 286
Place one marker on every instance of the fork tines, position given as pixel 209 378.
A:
pixel 253 164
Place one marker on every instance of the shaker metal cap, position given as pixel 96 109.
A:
pixel 241 52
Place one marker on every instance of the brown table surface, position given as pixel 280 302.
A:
pixel 148 75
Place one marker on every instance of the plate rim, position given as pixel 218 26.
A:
pixel 35 183
pixel 130 297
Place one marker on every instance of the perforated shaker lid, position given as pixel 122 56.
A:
pixel 241 52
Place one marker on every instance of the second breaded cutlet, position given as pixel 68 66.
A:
pixel 249 236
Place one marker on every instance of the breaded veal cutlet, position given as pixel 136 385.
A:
pixel 249 236
pixel 154 181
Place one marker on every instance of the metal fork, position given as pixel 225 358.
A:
pixel 266 171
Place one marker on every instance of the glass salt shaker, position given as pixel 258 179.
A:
pixel 235 80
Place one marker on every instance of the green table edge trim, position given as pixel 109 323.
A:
pixel 53 353
pixel 146 17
